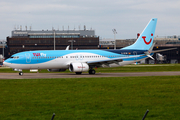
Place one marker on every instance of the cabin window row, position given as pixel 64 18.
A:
pixel 74 57
pixel 45 57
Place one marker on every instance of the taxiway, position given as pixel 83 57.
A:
pixel 84 75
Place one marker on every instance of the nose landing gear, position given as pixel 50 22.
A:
pixel 20 73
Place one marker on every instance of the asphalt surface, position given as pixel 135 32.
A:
pixel 85 75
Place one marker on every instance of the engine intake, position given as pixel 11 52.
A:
pixel 79 67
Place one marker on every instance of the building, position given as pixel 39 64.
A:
pixel 26 40
pixel 3 50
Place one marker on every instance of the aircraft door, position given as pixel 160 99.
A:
pixel 79 57
pixel 135 54
pixel 28 58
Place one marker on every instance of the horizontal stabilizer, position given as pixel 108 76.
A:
pixel 163 50
pixel 150 57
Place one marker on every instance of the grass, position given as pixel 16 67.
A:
pixel 124 98
pixel 142 68
pixel 128 68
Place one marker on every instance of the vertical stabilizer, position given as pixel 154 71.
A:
pixel 145 40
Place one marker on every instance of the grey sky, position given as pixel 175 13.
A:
pixel 127 16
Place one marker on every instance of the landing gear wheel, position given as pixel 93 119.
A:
pixel 78 73
pixel 92 71
pixel 20 73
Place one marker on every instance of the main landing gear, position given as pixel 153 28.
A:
pixel 20 73
pixel 92 71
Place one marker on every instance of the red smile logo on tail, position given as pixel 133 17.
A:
pixel 144 38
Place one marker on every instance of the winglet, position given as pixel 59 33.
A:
pixel 67 48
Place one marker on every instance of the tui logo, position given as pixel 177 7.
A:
pixel 144 38
pixel 39 54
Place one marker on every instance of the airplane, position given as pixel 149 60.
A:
pixel 79 61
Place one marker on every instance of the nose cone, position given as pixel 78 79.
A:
pixel 5 63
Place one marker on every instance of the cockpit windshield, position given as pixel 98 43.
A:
pixel 14 57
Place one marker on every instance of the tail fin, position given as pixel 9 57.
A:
pixel 145 40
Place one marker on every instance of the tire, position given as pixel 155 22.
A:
pixel 21 73
pixel 92 71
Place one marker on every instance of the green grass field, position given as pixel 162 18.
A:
pixel 124 98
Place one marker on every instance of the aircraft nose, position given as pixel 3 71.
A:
pixel 7 63
pixel 4 63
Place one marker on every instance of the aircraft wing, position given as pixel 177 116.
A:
pixel 105 62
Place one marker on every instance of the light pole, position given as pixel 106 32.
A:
pixel 71 43
pixel 3 50
pixel 114 31
pixel 54 40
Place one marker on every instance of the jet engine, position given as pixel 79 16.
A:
pixel 79 67
pixel 56 70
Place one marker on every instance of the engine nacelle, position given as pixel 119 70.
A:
pixel 56 70
pixel 79 67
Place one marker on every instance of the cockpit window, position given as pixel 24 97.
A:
pixel 15 57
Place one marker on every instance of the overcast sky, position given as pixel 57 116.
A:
pixel 128 17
